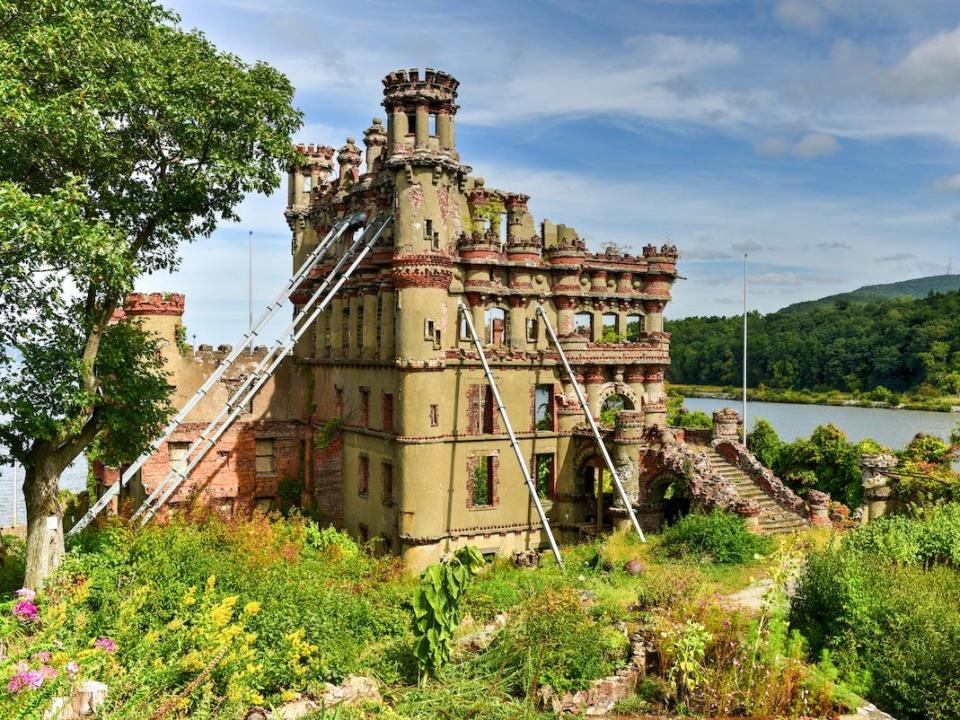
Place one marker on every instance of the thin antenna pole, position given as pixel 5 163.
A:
pixel 14 523
pixel 250 280
pixel 745 349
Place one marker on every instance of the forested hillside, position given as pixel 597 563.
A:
pixel 901 345
pixel 914 289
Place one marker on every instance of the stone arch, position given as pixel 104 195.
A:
pixel 621 389
pixel 669 496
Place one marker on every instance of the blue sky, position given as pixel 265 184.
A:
pixel 820 136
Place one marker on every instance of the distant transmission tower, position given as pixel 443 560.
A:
pixel 950 266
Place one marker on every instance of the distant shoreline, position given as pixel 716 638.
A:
pixel 808 397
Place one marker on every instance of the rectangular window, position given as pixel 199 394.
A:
pixel 533 330
pixel 386 412
pixel 434 415
pixel 338 401
pixel 481 410
pixel 428 328
pixel 411 123
pixel 360 325
pixel 481 482
pixel 464 329
pixel 428 230
pixel 496 324
pixel 345 330
pixel 611 329
pixel 266 456
pixel 386 470
pixel 307 183
pixel 583 324
pixel 363 533
pixel 433 124
pixel 364 407
pixel 634 327
pixel 379 319
pixel 177 452
pixel 363 476
pixel 543 407
pixel 544 474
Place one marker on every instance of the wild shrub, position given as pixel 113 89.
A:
pixel 933 539
pixel 553 640
pixel 718 537
pixel 889 618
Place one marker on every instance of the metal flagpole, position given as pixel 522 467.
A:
pixel 745 349
pixel 14 523
pixel 250 279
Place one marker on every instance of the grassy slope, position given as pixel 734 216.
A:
pixel 914 288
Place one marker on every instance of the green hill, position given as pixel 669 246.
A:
pixel 915 288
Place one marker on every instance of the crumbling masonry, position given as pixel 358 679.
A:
pixel 383 419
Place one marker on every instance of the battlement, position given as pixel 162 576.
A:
pixel 154 304
pixel 410 80
pixel 320 155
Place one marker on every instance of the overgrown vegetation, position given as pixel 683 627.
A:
pixel 718 537
pixel 829 463
pixel 883 605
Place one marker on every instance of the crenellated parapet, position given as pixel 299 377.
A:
pixel 169 304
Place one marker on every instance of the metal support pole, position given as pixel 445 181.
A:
pixel 261 373
pixel 465 311
pixel 744 349
pixel 593 424
pixel 271 310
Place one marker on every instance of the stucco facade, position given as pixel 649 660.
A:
pixel 419 457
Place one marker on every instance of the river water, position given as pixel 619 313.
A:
pixel 893 428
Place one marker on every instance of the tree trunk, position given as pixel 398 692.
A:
pixel 41 486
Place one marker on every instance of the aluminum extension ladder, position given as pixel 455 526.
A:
pixel 465 312
pixel 593 423
pixel 312 260
pixel 232 409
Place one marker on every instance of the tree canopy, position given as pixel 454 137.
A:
pixel 121 135
pixel 898 344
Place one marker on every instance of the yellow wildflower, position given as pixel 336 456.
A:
pixel 175 624
pixel 251 608
pixel 211 581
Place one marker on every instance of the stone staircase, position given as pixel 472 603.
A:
pixel 773 518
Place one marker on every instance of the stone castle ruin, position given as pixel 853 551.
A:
pixel 382 419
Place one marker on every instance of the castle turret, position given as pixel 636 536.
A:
pixel 420 110
pixel 375 140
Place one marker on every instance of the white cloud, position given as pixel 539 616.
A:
pixel 930 71
pixel 811 145
pixel 949 184
pixel 802 14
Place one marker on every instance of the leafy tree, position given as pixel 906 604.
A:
pixel 121 135
pixel 764 443
pixel 825 462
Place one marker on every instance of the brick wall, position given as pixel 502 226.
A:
pixel 328 481
pixel 227 477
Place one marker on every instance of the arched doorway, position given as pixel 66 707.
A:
pixel 668 496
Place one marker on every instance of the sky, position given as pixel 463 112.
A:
pixel 821 137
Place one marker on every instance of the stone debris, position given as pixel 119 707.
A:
pixel 526 558
pixel 354 690
pixel 603 694
pixel 83 702
pixel 481 638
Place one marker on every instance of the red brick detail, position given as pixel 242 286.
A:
pixel 365 407
pixel 154 304
pixel 386 412
pixel 386 473
pixel 227 476
pixel 328 481
pixel 363 476
pixel 493 477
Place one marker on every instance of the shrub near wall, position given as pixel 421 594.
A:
pixel 885 603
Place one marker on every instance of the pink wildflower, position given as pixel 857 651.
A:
pixel 25 611
pixel 32 679
pixel 26 594
pixel 105 643
pixel 72 667
pixel 43 656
